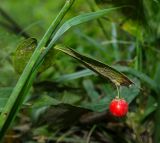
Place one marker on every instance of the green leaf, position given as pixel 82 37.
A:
pixel 61 116
pixel 79 20
pixel 100 68
pixel 89 87
pixel 26 79
pixel 86 17
pixel 24 52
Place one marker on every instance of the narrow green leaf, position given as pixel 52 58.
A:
pixel 79 20
pixel 72 76
pixel 83 18
pixel 100 68
pixel 25 81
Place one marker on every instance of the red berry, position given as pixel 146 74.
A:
pixel 118 107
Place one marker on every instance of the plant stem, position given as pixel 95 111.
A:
pixel 115 45
pixel 19 101
pixel 118 92
pixel 13 103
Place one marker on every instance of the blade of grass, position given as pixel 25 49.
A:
pixel 71 23
pixel 13 102
pixel 73 76
pixel 115 45
pixel 79 20
pixel 17 104
pixel 91 41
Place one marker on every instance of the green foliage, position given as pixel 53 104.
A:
pixel 56 98
pixel 24 52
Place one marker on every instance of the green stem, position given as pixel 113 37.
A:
pixel 20 86
pixel 19 101
pixel 118 91
pixel 114 44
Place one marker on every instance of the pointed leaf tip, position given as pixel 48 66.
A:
pixel 98 67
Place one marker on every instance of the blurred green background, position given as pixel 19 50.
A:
pixel 67 102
